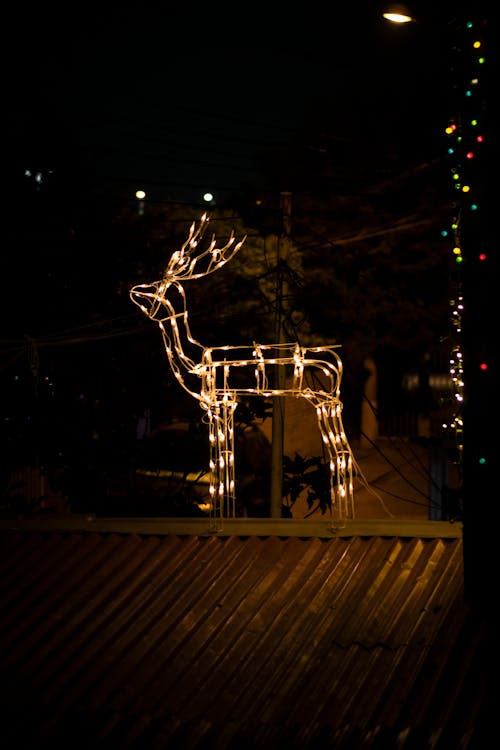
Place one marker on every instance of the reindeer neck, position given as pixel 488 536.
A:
pixel 183 351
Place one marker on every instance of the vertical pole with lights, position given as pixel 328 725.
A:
pixel 278 432
pixel 472 366
pixel 470 142
pixel 141 197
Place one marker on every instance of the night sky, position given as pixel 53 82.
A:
pixel 177 101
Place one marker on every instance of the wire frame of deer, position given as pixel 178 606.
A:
pixel 218 375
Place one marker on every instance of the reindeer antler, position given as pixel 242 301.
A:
pixel 184 261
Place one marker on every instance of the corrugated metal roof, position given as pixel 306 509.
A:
pixel 154 640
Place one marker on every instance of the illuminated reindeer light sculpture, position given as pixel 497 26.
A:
pixel 220 370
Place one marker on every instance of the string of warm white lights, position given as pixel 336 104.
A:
pixel 228 372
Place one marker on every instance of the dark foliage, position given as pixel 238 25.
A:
pixel 306 475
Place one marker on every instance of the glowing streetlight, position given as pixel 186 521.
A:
pixel 141 196
pixel 398 13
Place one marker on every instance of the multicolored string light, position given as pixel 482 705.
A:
pixel 467 140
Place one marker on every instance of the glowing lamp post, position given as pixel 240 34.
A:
pixel 141 197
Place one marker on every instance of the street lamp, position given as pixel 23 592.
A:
pixel 141 197
pixel 398 13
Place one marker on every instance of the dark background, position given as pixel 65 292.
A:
pixel 103 101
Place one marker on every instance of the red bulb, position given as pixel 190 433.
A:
pixel 482 256
pixel 470 155
pixel 483 366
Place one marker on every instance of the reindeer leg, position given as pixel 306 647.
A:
pixel 215 520
pixel 222 465
pixel 329 414
pixel 226 459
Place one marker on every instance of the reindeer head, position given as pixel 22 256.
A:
pixel 156 299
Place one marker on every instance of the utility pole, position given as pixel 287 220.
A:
pixel 278 431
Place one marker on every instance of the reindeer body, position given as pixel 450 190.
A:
pixel 228 372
